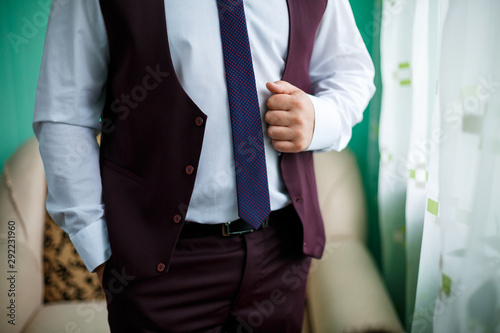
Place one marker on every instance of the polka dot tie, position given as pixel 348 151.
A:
pixel 248 141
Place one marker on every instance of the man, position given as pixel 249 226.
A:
pixel 199 212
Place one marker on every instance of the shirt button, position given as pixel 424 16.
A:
pixel 189 169
pixel 160 267
pixel 298 198
pixel 198 121
pixel 305 244
pixel 177 218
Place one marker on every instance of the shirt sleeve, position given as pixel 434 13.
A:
pixel 342 73
pixel 69 101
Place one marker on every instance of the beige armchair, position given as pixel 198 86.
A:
pixel 345 292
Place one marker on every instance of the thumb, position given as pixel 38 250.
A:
pixel 281 87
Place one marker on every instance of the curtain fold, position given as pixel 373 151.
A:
pixel 469 177
pixel 395 124
pixel 446 197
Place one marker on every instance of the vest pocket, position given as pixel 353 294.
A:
pixel 124 172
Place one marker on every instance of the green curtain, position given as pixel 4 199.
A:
pixel 364 142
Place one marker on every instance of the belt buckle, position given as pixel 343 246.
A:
pixel 265 224
pixel 226 231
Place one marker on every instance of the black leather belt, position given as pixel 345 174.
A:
pixel 236 227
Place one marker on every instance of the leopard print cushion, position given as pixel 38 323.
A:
pixel 66 277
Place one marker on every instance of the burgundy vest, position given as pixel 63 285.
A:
pixel 153 134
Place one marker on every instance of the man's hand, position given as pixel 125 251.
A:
pixel 100 271
pixel 290 117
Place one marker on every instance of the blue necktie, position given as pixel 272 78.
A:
pixel 248 141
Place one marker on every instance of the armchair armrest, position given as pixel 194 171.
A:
pixel 22 211
pixel 346 293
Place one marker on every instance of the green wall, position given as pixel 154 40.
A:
pixel 22 27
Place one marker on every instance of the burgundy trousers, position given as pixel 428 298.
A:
pixel 246 283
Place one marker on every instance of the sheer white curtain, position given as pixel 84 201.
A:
pixel 395 124
pixel 446 196
pixel 469 176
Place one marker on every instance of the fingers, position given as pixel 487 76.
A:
pixel 290 98
pixel 280 118
pixel 281 87
pixel 281 133
pixel 290 117
pixel 281 102
pixel 288 139
pixel 100 271
pixel 287 146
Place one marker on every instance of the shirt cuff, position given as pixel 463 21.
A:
pixel 92 244
pixel 326 125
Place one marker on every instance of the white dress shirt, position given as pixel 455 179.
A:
pixel 71 96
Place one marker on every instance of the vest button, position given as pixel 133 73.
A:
pixel 199 121
pixel 189 169
pixel 177 218
pixel 160 267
